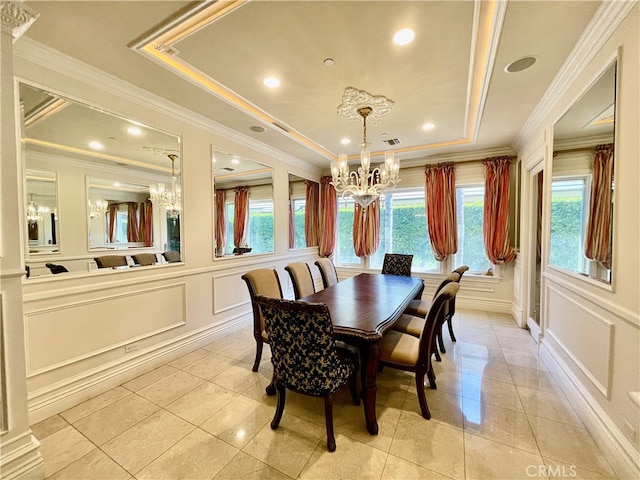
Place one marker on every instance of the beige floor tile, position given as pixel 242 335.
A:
pixel 189 358
pixel 549 405
pixel 239 421
pixel 197 456
pixel 241 349
pixel 94 404
pixel 398 469
pixel 223 342
pixel 501 425
pixel 246 467
pixel 289 447
pixel 533 378
pixel 570 445
pixel 141 444
pixel 112 420
pixel 480 353
pixel 440 447
pixel 485 459
pixel 526 343
pixel 149 377
pixel 62 448
pixel 493 369
pixel 49 426
pixel 445 408
pixel 351 423
pixel 523 359
pixel 237 377
pixel 201 402
pixel 520 335
pixel 209 366
pixel 351 459
pixel 556 469
pixel 95 465
pixel 486 390
pixel 168 389
pixel 448 381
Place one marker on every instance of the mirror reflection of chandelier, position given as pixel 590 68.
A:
pixel 364 185
pixel 35 212
pixel 98 209
pixel 170 200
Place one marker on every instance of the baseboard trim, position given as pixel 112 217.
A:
pixel 58 397
pixel 20 458
pixel 477 303
pixel 621 452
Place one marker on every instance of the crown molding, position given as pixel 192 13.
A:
pixel 606 20
pixel 52 59
pixel 16 18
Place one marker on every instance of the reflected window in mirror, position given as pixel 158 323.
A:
pixel 83 144
pixel 243 205
pixel 42 212
pixel 303 212
pixel 582 185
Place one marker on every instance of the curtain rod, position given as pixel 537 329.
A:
pixel 574 150
pixel 477 160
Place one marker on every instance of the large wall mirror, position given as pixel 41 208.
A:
pixel 582 186
pixel 304 212
pixel 95 184
pixel 243 205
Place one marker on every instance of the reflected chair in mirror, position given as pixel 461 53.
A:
pixel 55 269
pixel 301 278
pixel 327 271
pixel 172 256
pixel 397 264
pixel 406 352
pixel 305 357
pixel 144 259
pixel 111 261
pixel 262 281
pixel 452 306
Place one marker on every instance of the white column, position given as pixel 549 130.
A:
pixel 19 455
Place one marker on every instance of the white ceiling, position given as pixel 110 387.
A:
pixel 434 79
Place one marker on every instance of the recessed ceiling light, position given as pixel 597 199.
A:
pixel 258 129
pixel 520 64
pixel 271 82
pixel 134 131
pixel 404 36
pixel 95 145
pixel 235 161
pixel 116 184
pixel 428 126
pixel 345 141
pixel 328 62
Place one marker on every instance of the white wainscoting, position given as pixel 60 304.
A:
pixel 583 334
pixel 102 324
pixel 229 291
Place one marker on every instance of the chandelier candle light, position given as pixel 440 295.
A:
pixel 170 200
pixel 98 209
pixel 364 185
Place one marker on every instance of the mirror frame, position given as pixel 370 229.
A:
pixel 301 178
pixel 592 266
pixel 55 233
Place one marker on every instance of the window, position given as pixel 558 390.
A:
pixel 298 207
pixel 344 236
pixel 470 213
pixel 260 226
pixel 569 204
pixel 122 220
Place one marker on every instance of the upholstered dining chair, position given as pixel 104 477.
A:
pixel 144 259
pixel 56 269
pixel 327 271
pixel 397 264
pixel 301 278
pixel 406 352
pixel 305 357
pixel 262 281
pixel 413 323
pixel 171 256
pixel 110 261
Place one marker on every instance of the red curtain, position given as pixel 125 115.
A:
pixel 328 217
pixel 598 237
pixel 146 223
pixel 292 233
pixel 366 229
pixel 241 216
pixel 496 211
pixel 221 222
pixel 540 184
pixel 133 233
pixel 312 207
pixel 111 226
pixel 440 200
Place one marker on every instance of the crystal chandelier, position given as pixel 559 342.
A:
pixel 97 209
pixel 35 212
pixel 364 185
pixel 170 200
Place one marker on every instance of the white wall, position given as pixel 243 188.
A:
pixel 591 331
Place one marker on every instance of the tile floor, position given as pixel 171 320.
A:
pixel 497 414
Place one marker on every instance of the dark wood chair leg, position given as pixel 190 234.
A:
pixel 328 417
pixel 441 340
pixel 271 388
pixel 450 325
pixel 256 363
pixel 282 397
pixel 432 378
pixel 422 397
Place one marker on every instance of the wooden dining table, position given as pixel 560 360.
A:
pixel 362 309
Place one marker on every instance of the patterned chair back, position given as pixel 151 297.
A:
pixel 397 264
pixel 303 346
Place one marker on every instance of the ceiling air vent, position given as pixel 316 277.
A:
pixel 228 169
pixel 391 142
